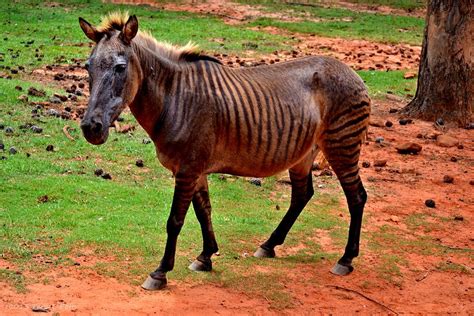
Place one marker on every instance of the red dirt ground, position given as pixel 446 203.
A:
pixel 396 192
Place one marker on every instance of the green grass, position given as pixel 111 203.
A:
pixel 400 4
pixel 55 35
pixel 382 82
pixel 335 22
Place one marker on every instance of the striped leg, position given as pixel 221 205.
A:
pixel 301 192
pixel 183 193
pixel 202 208
pixel 347 171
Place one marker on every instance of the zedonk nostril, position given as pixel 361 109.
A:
pixel 92 126
pixel 96 127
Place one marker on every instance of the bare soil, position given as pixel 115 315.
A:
pixel 397 192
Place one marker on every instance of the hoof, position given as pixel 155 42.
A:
pixel 200 266
pixel 151 284
pixel 263 253
pixel 340 269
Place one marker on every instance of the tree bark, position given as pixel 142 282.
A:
pixel 445 77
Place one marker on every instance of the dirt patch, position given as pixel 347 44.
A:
pixel 82 291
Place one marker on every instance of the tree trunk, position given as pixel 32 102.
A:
pixel 445 77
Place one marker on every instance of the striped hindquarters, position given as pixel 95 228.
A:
pixel 342 140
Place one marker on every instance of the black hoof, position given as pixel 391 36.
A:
pixel 200 266
pixel 152 284
pixel 264 253
pixel 340 269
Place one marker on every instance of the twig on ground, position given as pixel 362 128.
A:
pixel 364 296
pixel 117 126
pixel 66 132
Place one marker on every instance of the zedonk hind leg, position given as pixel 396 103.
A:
pixel 347 171
pixel 202 208
pixel 301 193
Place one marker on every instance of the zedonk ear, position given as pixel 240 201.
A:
pixel 90 31
pixel 129 30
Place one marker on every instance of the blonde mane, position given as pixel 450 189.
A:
pixel 189 52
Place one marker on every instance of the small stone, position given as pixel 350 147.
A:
pixel 106 176
pixel 469 125
pixel 55 100
pixel 454 159
pixel 388 124
pixel 139 163
pixel 379 139
pixel 78 92
pixel 256 181
pixel 405 121
pixel 35 92
pixel 366 164
pixel 36 129
pixel 53 112
pixel 448 179
pixel 49 148
pixel 446 141
pixel 98 172
pixel 12 150
pixel 65 115
pixel 458 218
pixel 9 130
pixel 146 141
pixel 440 122
pixel 377 122
pixel 409 148
pixel 40 309
pixel 380 163
pixel 277 207
pixel 460 146
pixel 63 98
pixel 430 203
